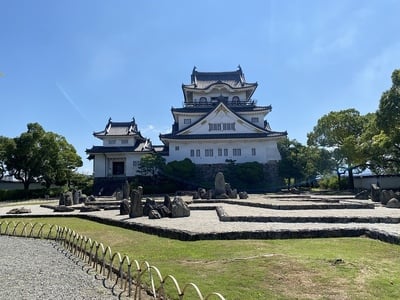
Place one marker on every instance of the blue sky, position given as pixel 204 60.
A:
pixel 70 65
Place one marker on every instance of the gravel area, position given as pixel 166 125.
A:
pixel 41 269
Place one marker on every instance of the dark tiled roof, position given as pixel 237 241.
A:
pixel 208 108
pixel 234 79
pixel 119 129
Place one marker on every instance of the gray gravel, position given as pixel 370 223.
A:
pixel 41 269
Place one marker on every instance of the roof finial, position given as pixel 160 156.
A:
pixel 133 120
pixel 109 120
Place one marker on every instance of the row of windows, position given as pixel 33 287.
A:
pixel 221 126
pixel 113 142
pixel 220 152
pixel 235 99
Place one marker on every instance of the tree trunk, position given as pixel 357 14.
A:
pixel 351 179
pixel 338 177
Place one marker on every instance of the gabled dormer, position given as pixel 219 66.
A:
pixel 120 134
pixel 209 88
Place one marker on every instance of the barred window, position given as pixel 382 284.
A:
pixel 253 151
pixel 225 152
pixel 191 152
pixel 208 152
pixel 197 152
pixel 237 152
pixel 219 152
pixel 221 126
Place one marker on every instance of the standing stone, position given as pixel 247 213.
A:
pixel 167 202
pixel 118 194
pixel 140 190
pixel 77 194
pixel 136 205
pixel 61 200
pixel 68 199
pixel 124 208
pixel 126 190
pixel 375 192
pixel 220 184
pixel 179 208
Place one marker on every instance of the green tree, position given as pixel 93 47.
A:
pixel 39 155
pixel 387 139
pixel 61 160
pixel 302 163
pixel 4 144
pixel 340 133
pixel 150 164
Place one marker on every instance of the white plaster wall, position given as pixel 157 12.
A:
pixel 265 151
pixel 118 141
pixel 102 165
pixel 99 167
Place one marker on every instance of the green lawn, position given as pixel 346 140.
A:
pixel 334 268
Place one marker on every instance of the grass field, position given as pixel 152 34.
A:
pixel 334 268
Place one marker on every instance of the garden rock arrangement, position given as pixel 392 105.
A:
pixel 73 197
pixel 176 208
pixel 222 190
pixel 386 197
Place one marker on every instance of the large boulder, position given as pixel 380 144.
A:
pixel 393 203
pixel 124 207
pixel 386 195
pixel 179 208
pixel 149 206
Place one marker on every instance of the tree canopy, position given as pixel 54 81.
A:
pixel 387 139
pixel 340 133
pixel 37 155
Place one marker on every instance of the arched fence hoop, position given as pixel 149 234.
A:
pixel 131 281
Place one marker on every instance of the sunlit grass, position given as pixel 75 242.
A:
pixel 333 268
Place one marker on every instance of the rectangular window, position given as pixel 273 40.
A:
pixel 253 151
pixel 191 152
pixel 124 142
pixel 176 148
pixel 208 152
pixel 187 121
pixel 225 152
pixel 237 152
pixel 254 120
pixel 112 142
pixel 219 152
pixel 198 152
